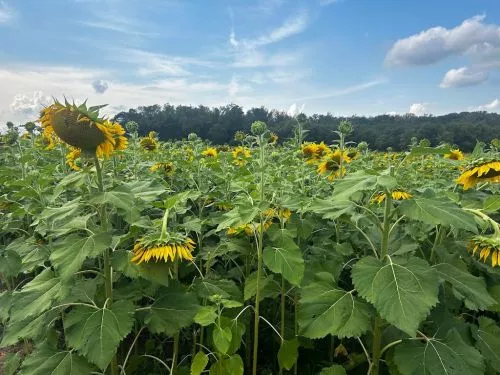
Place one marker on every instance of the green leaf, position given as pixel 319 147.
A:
pixel 97 332
pixel 288 353
pixel 11 363
pixel 207 287
pixel 175 309
pixel 37 296
pixel 330 208
pixel 333 370
pixel 228 366
pixel 266 285
pixel 387 182
pixel 5 303
pixel 69 254
pixel 222 338
pixel 438 211
pixel 10 263
pixel 466 287
pixel 48 361
pixel 492 204
pixel 120 197
pixel 27 329
pixel 284 257
pixel 206 315
pixel 451 356
pixel 421 150
pixel 326 309
pixel 402 290
pixel 121 262
pixel 200 361
pixel 353 183
pixel 56 214
pixel 240 215
pixel 237 332
pixel 487 337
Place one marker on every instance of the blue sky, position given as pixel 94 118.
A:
pixel 346 57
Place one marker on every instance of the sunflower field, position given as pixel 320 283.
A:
pixel 124 255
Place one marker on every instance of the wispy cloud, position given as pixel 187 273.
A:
pixel 328 2
pixel 117 27
pixel 7 14
pixel 344 91
pixel 290 27
pixel 269 6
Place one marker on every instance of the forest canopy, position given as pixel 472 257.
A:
pixel 219 125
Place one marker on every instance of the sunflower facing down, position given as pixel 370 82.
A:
pixel 169 248
pixel 486 247
pixel 82 128
pixel 331 164
pixel 166 168
pixel 397 195
pixel 149 143
pixel 481 170
pixel 454 155
pixel 210 152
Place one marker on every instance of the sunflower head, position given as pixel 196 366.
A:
pixel 170 248
pixel 149 143
pixel 309 150
pixel 210 152
pixel 397 195
pixel 454 155
pixel 485 247
pixel 486 169
pixel 82 128
pixel 352 153
pixel 240 155
pixel 166 168
pixel 71 158
pixel 273 138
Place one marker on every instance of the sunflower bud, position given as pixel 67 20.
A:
pixel 258 128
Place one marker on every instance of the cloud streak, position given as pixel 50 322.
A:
pixel 344 91
pixel 7 14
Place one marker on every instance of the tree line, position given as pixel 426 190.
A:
pixel 396 131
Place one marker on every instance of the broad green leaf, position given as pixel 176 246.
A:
pixel 221 337
pixel 10 263
pixel 451 356
pixel 387 182
pixel 493 291
pixel 487 337
pixel 200 361
pixel 402 290
pixel 75 224
pixel 492 204
pixel 228 366
pixel 353 183
pixel 471 289
pixel 438 211
pixel 37 296
pixel 288 353
pixel 69 254
pixel 5 303
pixel 237 331
pixel 207 287
pixel 240 215
pixel 56 214
pixel 120 198
pixel 147 191
pixel 326 309
pixel 11 363
pixel 285 257
pixel 333 370
pixel 330 209
pixel 206 315
pixel 267 287
pixel 121 262
pixel 173 310
pixel 27 329
pixel 48 361
pixel 97 332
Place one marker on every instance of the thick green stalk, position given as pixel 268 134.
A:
pixel 377 327
pixel 108 271
pixel 259 262
pixel 282 307
pixel 177 335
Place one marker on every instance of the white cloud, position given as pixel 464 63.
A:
pixel 269 6
pixel 233 87
pixel 493 106
pixel 29 105
pixel 437 43
pixel 294 111
pixel 100 86
pixel 290 27
pixel 463 77
pixel 7 14
pixel 419 109
pixel 255 58
pixel 344 91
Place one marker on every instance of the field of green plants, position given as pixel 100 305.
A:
pixel 124 255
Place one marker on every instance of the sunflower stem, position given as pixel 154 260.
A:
pixel 164 224
pixel 108 271
pixel 176 336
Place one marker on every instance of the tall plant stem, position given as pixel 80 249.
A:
pixel 378 324
pixel 259 263
pixel 177 335
pixel 282 307
pixel 108 271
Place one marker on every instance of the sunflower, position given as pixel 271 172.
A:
pixel 486 247
pixel 481 170
pixel 240 155
pixel 322 150
pixel 331 164
pixel 352 153
pixel 454 155
pixel 71 158
pixel 309 151
pixel 210 152
pixel 149 143
pixel 166 168
pixel 397 195
pixel 82 128
pixel 273 138
pixel 166 249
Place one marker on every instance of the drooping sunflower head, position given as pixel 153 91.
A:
pixel 480 170
pixel 397 195
pixel 309 150
pixel 210 152
pixel 322 150
pixel 352 153
pixel 331 163
pixel 149 143
pixel 273 138
pixel 82 128
pixel 454 155
pixel 486 247
pixel 166 168
pixel 153 248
